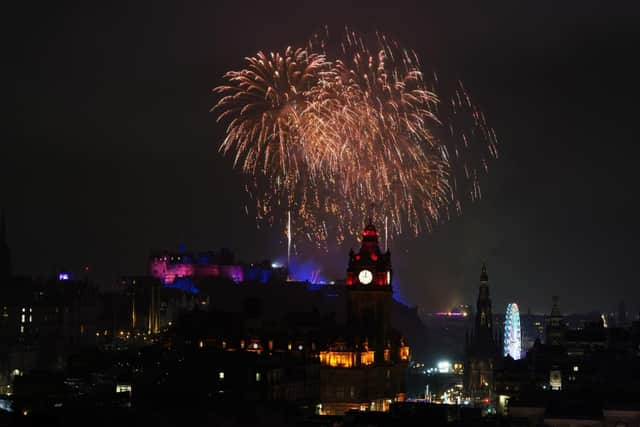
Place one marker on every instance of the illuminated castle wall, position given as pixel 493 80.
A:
pixel 172 268
pixel 168 268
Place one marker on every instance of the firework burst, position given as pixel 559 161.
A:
pixel 324 136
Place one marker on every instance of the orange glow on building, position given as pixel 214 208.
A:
pixel 338 359
pixel 404 353
pixel 367 358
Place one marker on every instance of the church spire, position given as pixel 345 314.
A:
pixel 484 277
pixel 483 313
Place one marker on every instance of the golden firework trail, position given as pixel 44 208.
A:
pixel 323 135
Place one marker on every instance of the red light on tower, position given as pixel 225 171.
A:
pixel 349 279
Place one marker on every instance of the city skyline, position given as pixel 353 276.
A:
pixel 126 151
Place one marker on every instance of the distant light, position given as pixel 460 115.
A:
pixel 255 345
pixel 123 388
pixel 451 314
pixel 300 347
pixel 576 369
pixel 63 276
pixel 444 366
pixel 276 265
pixel 221 375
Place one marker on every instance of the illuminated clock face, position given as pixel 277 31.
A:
pixel 365 277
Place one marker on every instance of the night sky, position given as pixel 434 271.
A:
pixel 111 150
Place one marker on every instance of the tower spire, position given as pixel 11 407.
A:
pixel 484 277
pixel 372 207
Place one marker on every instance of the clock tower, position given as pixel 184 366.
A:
pixel 369 294
pixel 364 365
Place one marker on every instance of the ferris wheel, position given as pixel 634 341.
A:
pixel 512 336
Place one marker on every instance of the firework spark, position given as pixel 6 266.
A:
pixel 325 135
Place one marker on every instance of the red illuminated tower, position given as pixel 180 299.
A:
pixel 365 365
pixel 369 293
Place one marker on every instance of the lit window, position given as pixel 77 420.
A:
pixel 123 388
pixel 221 375
pixel 367 358
pixel 201 344
pixel 257 376
pixel 576 369
pixel 23 309
pixel 255 345
pixel 30 319
pixel 338 359
pixel 22 318
pixel 22 329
